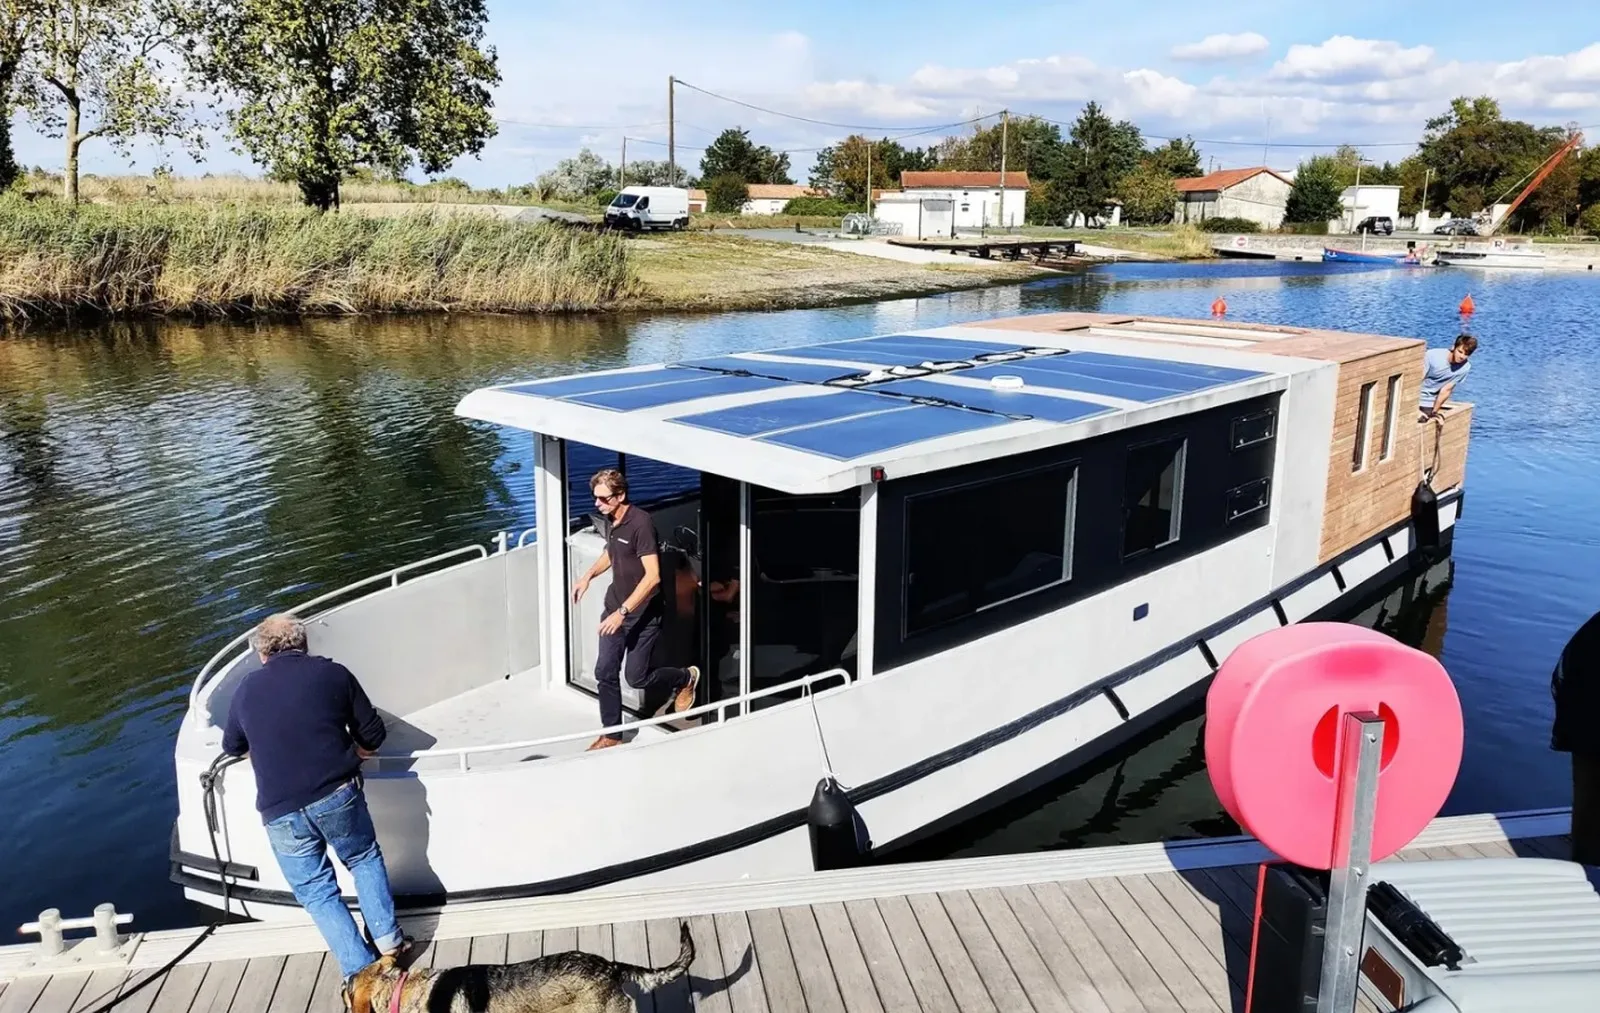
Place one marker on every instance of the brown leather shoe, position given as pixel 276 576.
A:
pixel 685 698
pixel 604 742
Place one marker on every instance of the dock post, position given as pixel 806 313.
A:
pixel 50 941
pixel 1360 755
pixel 105 929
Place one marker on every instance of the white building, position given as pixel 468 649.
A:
pixel 919 217
pixel 976 197
pixel 770 198
pixel 1366 201
pixel 1110 218
pixel 1258 193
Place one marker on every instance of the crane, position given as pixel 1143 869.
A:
pixel 1544 170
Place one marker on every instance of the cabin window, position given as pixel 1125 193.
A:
pixel 1249 430
pixel 1152 495
pixel 805 568
pixel 975 546
pixel 1391 418
pixel 1358 457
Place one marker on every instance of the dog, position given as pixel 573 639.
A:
pixel 571 982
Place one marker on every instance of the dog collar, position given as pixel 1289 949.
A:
pixel 394 997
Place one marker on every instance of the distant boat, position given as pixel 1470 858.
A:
pixel 1331 255
pixel 1496 254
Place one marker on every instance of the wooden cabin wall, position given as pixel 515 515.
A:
pixel 1447 446
pixel 1363 502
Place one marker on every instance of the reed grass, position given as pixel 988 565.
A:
pixel 56 261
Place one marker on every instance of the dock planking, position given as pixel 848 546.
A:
pixel 1151 942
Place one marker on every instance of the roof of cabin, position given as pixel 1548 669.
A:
pixel 820 417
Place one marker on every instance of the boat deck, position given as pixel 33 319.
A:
pixel 1135 929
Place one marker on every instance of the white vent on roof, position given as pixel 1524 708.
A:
pixel 1006 382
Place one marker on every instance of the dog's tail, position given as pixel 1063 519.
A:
pixel 649 978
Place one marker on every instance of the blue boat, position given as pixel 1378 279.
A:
pixel 1331 255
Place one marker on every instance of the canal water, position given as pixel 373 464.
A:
pixel 161 484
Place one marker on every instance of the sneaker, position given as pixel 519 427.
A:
pixel 685 698
pixel 604 742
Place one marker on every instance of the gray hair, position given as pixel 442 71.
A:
pixel 277 634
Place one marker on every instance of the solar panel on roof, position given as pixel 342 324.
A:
pixel 695 384
pixel 800 372
pixel 1222 374
pixel 855 437
pixel 771 416
pixel 918 349
pixel 592 382
pixel 1054 380
pixel 841 353
pixel 1009 402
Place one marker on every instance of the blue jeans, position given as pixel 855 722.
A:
pixel 301 840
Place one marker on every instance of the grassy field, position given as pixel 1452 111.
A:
pixel 186 259
pixel 1183 242
pixel 720 271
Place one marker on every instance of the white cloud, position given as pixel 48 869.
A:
pixel 1346 59
pixel 1222 46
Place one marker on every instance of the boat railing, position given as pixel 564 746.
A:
pixel 392 577
pixel 806 684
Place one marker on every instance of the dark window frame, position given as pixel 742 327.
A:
pixel 1175 526
pixel 1069 531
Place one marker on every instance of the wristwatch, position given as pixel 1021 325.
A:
pixel 622 610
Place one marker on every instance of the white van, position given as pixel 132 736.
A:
pixel 649 207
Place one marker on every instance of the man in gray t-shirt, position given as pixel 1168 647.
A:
pixel 1442 370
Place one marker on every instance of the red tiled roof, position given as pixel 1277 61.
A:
pixel 779 191
pixel 697 195
pixel 1222 179
pixel 962 180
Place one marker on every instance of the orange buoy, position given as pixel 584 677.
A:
pixel 1467 307
pixel 1219 307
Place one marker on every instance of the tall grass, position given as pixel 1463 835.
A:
pixel 204 260
pixel 236 188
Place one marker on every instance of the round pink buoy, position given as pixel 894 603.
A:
pixel 1274 715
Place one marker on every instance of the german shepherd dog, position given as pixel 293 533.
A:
pixel 571 982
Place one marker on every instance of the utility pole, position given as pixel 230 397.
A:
pixel 1005 124
pixel 1425 177
pixel 672 137
pixel 622 173
pixel 869 178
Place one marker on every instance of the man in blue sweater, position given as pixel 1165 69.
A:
pixel 307 725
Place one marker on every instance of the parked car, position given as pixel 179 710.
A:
pixel 1457 227
pixel 649 207
pixel 1376 225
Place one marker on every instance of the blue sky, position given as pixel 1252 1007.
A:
pixel 1247 72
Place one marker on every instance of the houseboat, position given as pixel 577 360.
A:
pixel 940 566
pixel 1495 253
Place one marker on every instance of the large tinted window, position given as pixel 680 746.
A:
pixel 1152 496
pixel 978 545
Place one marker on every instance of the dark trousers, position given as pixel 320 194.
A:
pixel 631 649
pixel 1586 808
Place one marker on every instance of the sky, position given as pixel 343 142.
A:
pixel 1247 79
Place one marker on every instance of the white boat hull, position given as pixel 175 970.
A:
pixel 921 747
pixel 1502 258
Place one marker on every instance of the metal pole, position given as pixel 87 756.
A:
pixel 1005 123
pixel 1361 749
pixel 1424 208
pixel 672 137
pixel 622 173
pixel 869 179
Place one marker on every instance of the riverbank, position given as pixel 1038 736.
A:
pixel 59 263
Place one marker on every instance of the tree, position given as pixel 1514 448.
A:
pixel 106 68
pixel 733 153
pixel 1032 145
pixel 1477 157
pixel 577 178
pixel 1178 158
pixel 1315 196
pixel 1147 194
pixel 842 170
pixel 18 21
pixel 1098 155
pixel 726 193
pixel 324 87
pixel 648 172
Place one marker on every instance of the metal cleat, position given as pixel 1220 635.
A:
pixel 107 948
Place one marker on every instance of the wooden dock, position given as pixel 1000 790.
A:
pixel 1137 929
pixel 988 247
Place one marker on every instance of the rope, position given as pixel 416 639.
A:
pixel 822 742
pixel 208 782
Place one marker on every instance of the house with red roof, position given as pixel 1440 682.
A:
pixel 1257 193
pixel 977 198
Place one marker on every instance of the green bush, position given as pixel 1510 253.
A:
pixel 820 207
pixel 605 197
pixel 1305 228
pixel 726 193
pixel 1228 225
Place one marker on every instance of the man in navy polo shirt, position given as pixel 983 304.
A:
pixel 307 725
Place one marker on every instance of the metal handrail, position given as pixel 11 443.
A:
pixel 721 706
pixel 392 576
